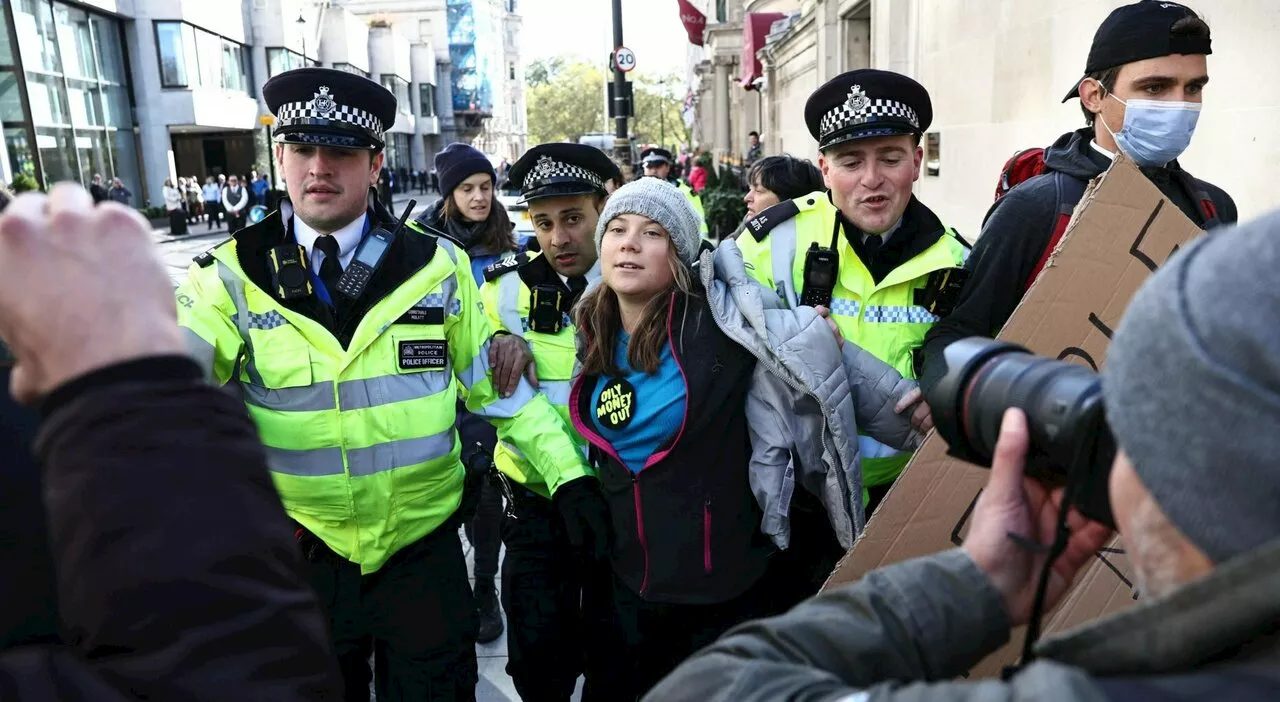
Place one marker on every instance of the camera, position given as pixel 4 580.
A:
pixel 1071 444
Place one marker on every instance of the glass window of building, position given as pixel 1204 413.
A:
pixel 172 39
pixel 398 87
pixel 349 68
pixel 79 121
pixel 191 57
pixel 280 60
pixel 427 99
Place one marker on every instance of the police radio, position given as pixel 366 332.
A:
pixel 289 279
pixel 821 267
pixel 545 302
pixel 369 255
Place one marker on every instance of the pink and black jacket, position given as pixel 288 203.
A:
pixel 687 526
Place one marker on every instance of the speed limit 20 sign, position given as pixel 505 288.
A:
pixel 624 59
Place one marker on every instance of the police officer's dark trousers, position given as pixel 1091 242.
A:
pixel 558 608
pixel 414 615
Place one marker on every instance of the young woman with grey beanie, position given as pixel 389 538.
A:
pixel 662 397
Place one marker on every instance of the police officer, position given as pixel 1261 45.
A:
pixel 550 590
pixel 657 164
pixel 350 339
pixel 882 263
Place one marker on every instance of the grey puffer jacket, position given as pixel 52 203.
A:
pixel 892 635
pixel 807 401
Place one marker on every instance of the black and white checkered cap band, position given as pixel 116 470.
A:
pixel 293 114
pixel 879 110
pixel 549 171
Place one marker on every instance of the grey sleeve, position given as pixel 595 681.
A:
pixel 877 387
pixel 926 619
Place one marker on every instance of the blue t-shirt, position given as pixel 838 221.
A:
pixel 637 412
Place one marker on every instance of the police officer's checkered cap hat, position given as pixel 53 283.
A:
pixel 867 103
pixel 562 169
pixel 327 107
pixel 655 154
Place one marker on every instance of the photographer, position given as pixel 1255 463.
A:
pixel 1193 490
pixel 177 575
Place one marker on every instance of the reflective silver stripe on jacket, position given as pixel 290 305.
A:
pixel 399 454
pixel 557 391
pixel 389 389
pixel 478 370
pixel 308 463
pixel 870 448
pixel 362 461
pixel 242 319
pixel 308 398
pixel 202 351
pixel 509 304
pixel 782 252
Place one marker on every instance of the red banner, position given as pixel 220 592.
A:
pixel 693 20
pixel 754 31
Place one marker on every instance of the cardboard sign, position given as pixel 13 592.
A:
pixel 1122 231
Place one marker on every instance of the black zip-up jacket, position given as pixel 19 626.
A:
pixel 178 576
pixel 687 526
pixel 1017 232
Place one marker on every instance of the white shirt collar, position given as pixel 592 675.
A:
pixel 1110 156
pixel 884 238
pixel 348 239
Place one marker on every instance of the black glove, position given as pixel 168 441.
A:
pixel 586 516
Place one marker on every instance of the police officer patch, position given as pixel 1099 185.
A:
pixel 616 405
pixel 431 355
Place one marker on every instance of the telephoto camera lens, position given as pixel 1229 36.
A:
pixel 1070 440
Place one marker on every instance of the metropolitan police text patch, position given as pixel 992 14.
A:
pixel 424 354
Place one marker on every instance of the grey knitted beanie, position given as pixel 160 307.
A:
pixel 1192 388
pixel 663 203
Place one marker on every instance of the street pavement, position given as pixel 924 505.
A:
pixel 495 685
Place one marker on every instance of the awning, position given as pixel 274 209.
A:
pixel 694 22
pixel 754 30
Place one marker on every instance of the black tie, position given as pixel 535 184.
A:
pixel 576 285
pixel 330 267
pixel 872 246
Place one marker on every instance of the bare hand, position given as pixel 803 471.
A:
pixel 509 356
pixel 922 416
pixel 80 289
pixel 1014 505
pixel 835 329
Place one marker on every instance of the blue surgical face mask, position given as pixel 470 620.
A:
pixel 1155 132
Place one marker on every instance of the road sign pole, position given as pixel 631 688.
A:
pixel 621 146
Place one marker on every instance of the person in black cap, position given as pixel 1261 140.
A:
pixel 552 584
pixel 868 251
pixel 1141 94
pixel 657 164
pixel 350 339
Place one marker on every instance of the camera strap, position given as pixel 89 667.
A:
pixel 1061 537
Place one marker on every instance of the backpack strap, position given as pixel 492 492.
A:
pixel 1064 205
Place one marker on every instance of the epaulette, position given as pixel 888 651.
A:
pixel 205 259
pixel 760 225
pixel 421 227
pixel 503 267
pixel 963 241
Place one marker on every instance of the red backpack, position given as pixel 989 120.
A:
pixel 1023 165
